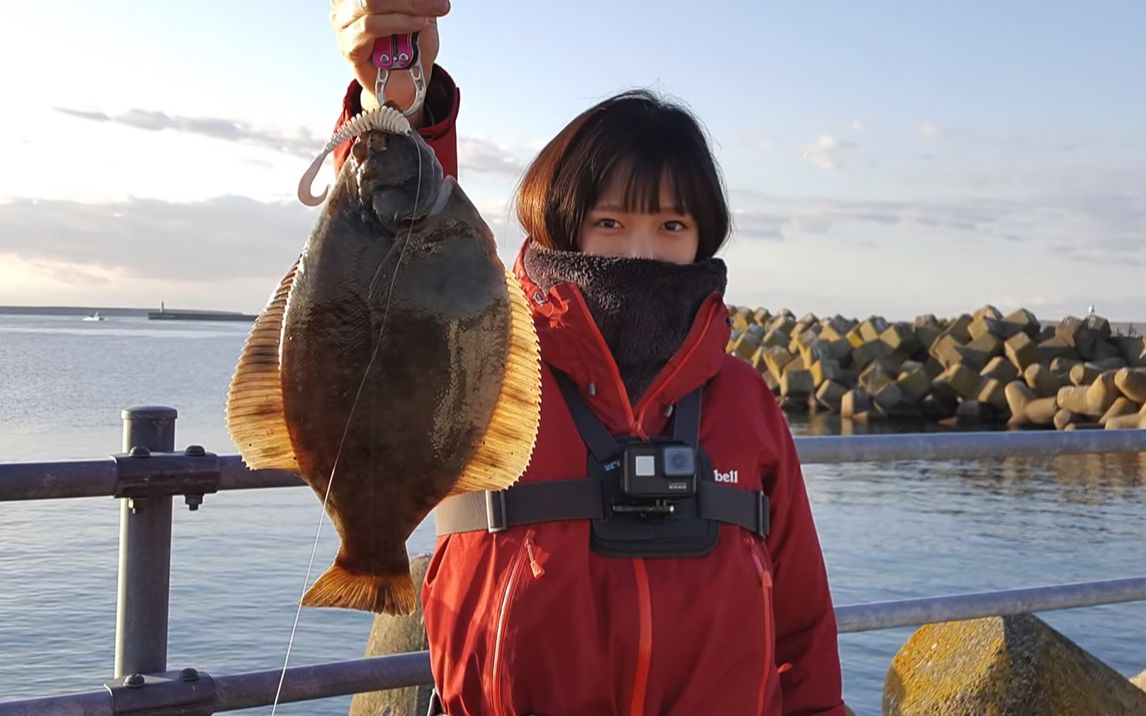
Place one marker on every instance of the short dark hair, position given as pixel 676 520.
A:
pixel 635 132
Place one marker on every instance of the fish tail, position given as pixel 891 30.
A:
pixel 378 593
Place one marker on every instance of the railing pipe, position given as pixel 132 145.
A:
pixel 930 610
pixel 144 553
pixel 966 446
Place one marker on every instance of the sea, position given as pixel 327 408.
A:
pixel 889 530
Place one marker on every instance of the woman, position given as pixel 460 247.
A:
pixel 557 609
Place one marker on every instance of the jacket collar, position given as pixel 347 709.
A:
pixel 572 344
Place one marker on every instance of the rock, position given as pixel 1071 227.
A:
pixel 831 394
pixel 774 338
pixel 900 337
pixel 869 351
pixel 946 350
pixel 796 384
pixel 1063 365
pixel 777 358
pixel 1132 384
pixel 1127 422
pixel 927 334
pixel 914 384
pixel 1122 406
pixel 1021 350
pixel 957 382
pixel 983 325
pixel 958 328
pixel 972 411
pixel 1018 395
pixel 854 403
pixel 1132 349
pixel 1064 418
pixel 1004 666
pixel 1101 394
pixel 741 320
pixel 1044 382
pixel 1069 329
pixel 1042 411
pixel 1140 681
pixel 1000 369
pixel 825 370
pixel 1053 348
pixel 982 349
pixel 994 393
pixel 837 328
pixel 1084 374
pixel 395 635
pixel 772 381
pixel 871 328
pixel 888 398
pixel 783 321
pixel 1022 321
pixel 1073 398
pixel 746 345
pixel 935 408
pixel 1112 363
pixel 1104 352
pixel 988 311
pixel 761 316
pixel 875 376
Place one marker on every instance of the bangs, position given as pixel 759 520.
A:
pixel 639 141
pixel 642 174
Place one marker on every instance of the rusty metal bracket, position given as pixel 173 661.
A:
pixel 188 692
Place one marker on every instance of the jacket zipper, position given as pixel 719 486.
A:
pixel 524 551
pixel 765 578
pixel 652 391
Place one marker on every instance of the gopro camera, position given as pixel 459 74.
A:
pixel 659 471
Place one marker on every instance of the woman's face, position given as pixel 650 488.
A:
pixel 608 230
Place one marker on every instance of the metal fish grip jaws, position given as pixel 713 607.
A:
pixel 398 53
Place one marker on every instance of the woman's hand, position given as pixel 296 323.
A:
pixel 358 23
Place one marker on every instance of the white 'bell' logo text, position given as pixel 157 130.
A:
pixel 730 476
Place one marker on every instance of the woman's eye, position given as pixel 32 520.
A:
pixel 675 225
pixel 608 223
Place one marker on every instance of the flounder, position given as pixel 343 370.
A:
pixel 395 364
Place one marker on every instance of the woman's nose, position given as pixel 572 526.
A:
pixel 642 245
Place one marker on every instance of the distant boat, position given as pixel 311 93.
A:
pixel 94 316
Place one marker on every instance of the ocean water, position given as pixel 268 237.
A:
pixel 889 530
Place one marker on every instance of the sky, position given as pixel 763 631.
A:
pixel 881 158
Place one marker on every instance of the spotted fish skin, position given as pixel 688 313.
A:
pixel 407 365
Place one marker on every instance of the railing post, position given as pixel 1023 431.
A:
pixel 144 553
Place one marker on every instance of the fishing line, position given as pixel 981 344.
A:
pixel 362 126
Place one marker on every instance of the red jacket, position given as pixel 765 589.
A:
pixel 531 621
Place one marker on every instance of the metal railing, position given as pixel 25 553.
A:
pixel 149 473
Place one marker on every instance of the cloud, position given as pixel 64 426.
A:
pixel 300 143
pixel 223 238
pixel 827 151
pixel 1096 226
pixel 927 130
pixel 474 155
pixel 482 155
pixel 230 240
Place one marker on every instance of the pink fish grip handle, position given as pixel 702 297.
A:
pixel 397 52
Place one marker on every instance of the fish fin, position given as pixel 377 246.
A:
pixel 378 593
pixel 505 449
pixel 254 412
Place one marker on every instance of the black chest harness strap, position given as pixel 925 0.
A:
pixel 596 497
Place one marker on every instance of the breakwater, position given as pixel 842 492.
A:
pixel 973 369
